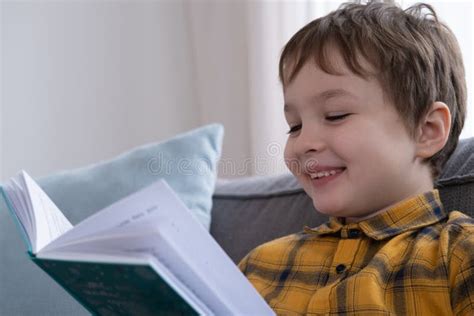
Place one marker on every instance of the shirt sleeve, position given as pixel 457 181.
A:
pixel 462 266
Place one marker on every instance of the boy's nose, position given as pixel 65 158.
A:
pixel 310 140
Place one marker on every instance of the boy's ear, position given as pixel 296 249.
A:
pixel 433 131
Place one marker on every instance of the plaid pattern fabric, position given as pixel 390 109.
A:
pixel 414 259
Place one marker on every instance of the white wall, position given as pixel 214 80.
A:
pixel 220 55
pixel 1 87
pixel 83 81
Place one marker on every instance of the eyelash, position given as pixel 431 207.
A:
pixel 336 117
pixel 294 129
pixel 329 118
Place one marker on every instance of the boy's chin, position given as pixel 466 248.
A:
pixel 329 207
pixel 329 210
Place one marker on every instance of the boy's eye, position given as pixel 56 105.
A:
pixel 294 129
pixel 333 118
pixel 336 117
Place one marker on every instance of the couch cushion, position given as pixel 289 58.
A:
pixel 188 163
pixel 456 182
pixel 250 211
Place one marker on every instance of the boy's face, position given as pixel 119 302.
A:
pixel 368 147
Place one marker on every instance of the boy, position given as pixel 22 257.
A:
pixel 375 98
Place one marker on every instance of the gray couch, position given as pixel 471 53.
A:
pixel 246 213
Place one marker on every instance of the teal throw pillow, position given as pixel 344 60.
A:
pixel 187 162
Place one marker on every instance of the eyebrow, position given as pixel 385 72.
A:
pixel 324 96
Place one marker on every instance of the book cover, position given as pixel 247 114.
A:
pixel 143 255
pixel 116 289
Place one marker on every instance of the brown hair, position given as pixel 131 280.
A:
pixel 418 58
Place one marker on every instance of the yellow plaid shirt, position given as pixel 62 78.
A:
pixel 414 259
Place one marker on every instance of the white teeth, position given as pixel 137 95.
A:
pixel 322 174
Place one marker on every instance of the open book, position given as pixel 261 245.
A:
pixel 143 255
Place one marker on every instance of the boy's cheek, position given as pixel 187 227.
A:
pixel 291 166
pixel 292 163
pixel 296 169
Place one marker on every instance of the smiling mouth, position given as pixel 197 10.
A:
pixel 320 182
pixel 326 173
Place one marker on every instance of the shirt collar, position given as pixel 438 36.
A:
pixel 409 214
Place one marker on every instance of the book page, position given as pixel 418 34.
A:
pixel 136 208
pixel 15 199
pixel 21 203
pixel 156 222
pixel 50 222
